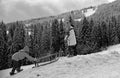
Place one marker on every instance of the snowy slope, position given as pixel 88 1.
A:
pixel 105 64
pixel 89 12
pixel 5 73
pixel 109 1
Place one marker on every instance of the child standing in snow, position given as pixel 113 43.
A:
pixel 18 57
pixel 71 40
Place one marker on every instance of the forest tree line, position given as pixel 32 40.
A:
pixel 48 37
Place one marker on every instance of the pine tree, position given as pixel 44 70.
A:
pixel 55 36
pixel 88 39
pixel 112 31
pixel 35 42
pixel 38 40
pixel 104 40
pixel 11 30
pixel 118 27
pixel 85 31
pixel 3 46
pixel 97 35
pixel 31 44
pixel 19 37
pixel 45 42
pixel 62 35
pixel 91 44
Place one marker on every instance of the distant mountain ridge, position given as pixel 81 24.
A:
pixel 76 14
pixel 107 10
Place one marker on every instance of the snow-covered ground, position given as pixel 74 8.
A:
pixel 89 12
pixel 111 1
pixel 5 73
pixel 105 64
pixel 79 19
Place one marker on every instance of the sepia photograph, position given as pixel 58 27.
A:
pixel 59 38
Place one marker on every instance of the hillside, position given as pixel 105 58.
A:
pixel 105 64
pixel 76 14
pixel 97 12
pixel 107 10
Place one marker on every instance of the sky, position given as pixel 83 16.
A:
pixel 15 10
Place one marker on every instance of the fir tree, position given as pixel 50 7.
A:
pixel 85 31
pixel 112 31
pixel 19 37
pixel 62 35
pixel 55 36
pixel 3 46
pixel 103 27
pixel 45 42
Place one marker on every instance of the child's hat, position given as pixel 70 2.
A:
pixel 26 48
